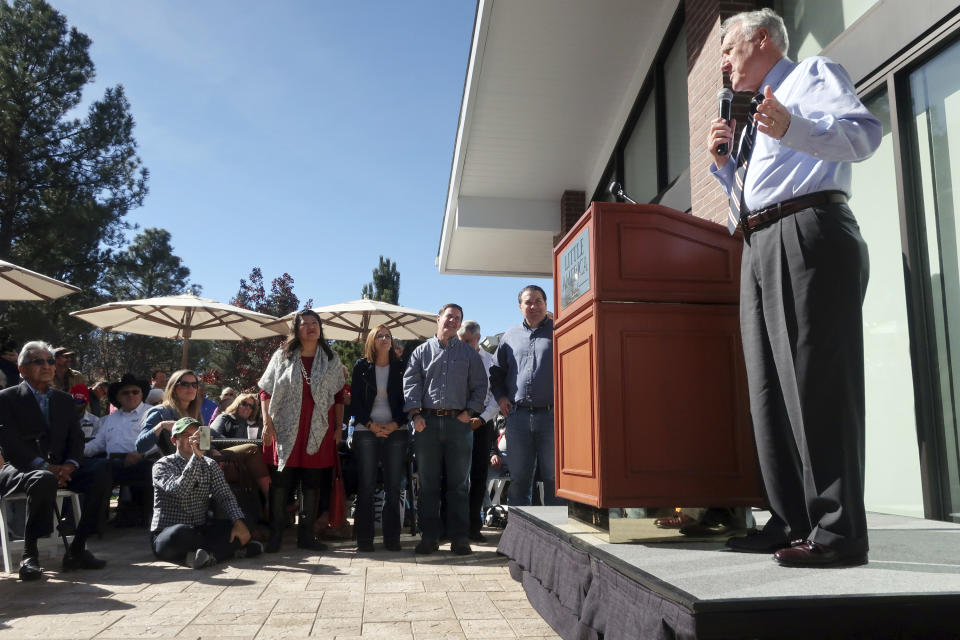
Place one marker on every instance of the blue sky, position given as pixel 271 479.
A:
pixel 307 137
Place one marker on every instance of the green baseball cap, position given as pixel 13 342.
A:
pixel 182 425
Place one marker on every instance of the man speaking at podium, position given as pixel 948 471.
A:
pixel 803 277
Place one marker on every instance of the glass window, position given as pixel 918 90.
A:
pixel 893 482
pixel 813 24
pixel 935 103
pixel 677 120
pixel 640 157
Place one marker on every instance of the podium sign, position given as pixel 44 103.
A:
pixel 650 388
pixel 575 265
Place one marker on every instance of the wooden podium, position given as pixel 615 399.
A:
pixel 650 390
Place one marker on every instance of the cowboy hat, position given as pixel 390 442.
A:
pixel 128 380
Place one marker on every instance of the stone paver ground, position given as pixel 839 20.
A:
pixel 293 594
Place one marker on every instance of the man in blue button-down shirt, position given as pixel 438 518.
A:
pixel 803 277
pixel 522 382
pixel 444 387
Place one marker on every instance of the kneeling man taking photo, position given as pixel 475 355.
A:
pixel 183 483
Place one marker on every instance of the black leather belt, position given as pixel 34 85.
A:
pixel 546 407
pixel 442 412
pixel 792 206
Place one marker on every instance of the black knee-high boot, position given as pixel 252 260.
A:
pixel 278 517
pixel 308 515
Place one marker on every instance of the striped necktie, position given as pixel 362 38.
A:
pixel 747 138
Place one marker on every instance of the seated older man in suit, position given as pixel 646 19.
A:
pixel 42 445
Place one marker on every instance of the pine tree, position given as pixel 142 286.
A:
pixel 386 283
pixel 147 268
pixel 66 182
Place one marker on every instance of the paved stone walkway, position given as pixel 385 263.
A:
pixel 293 594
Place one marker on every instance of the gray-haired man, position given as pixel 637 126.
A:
pixel 482 426
pixel 803 278
pixel 42 446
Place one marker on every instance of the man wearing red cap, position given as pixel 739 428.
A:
pixel 89 423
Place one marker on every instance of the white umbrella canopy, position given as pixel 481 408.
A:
pixel 352 321
pixel 187 317
pixel 17 283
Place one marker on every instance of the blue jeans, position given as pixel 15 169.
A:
pixel 176 541
pixel 370 452
pixel 445 444
pixel 530 443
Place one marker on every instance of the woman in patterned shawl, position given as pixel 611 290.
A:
pixel 299 389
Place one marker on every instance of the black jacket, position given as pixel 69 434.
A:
pixel 228 426
pixel 363 391
pixel 25 435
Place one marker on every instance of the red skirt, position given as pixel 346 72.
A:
pixel 299 457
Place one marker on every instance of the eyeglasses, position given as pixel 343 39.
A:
pixel 131 392
pixel 384 336
pixel 39 362
pixel 192 385
pixel 248 405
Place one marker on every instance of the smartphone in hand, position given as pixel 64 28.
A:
pixel 204 436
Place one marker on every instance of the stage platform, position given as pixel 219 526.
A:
pixel 589 589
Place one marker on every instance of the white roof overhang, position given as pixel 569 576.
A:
pixel 549 86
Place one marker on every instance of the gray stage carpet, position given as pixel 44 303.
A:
pixel 910 588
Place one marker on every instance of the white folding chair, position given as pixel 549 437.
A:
pixel 4 519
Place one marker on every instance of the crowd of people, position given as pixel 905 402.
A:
pixel 216 480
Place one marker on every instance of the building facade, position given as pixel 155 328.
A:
pixel 562 96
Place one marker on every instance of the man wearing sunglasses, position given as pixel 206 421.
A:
pixel 42 445
pixel 117 438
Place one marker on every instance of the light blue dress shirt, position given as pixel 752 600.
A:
pixel 829 129
pixel 445 377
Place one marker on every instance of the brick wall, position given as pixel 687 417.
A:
pixel 704 80
pixel 572 206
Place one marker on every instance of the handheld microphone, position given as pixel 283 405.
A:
pixel 725 98
pixel 616 190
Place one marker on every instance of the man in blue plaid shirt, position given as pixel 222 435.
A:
pixel 183 483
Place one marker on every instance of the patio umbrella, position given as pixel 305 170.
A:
pixel 353 320
pixel 186 317
pixel 17 283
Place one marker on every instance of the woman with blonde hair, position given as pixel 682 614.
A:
pixel 234 420
pixel 299 392
pixel 180 400
pixel 379 436
pixel 242 464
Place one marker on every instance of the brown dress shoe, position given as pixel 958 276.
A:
pixel 807 553
pixel 673 522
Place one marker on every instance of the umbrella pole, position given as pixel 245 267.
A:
pixel 188 318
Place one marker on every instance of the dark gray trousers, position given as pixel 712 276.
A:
pixel 803 279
